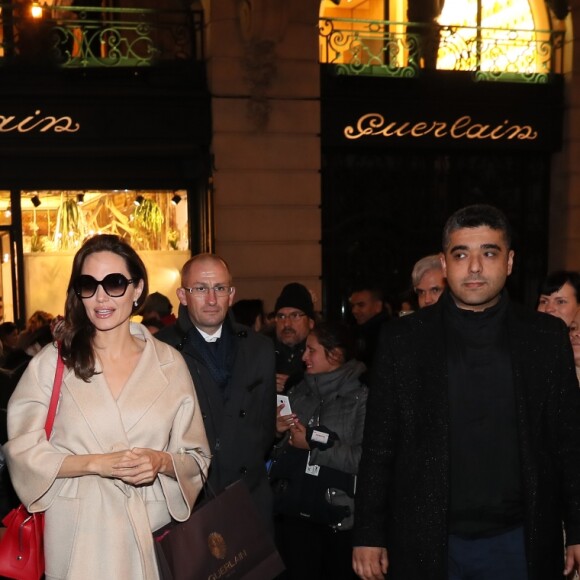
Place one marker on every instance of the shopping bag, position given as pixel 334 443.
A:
pixel 22 547
pixel 224 537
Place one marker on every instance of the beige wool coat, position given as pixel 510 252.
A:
pixel 99 528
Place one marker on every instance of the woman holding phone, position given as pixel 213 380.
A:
pixel 315 462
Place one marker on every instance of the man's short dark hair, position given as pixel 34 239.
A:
pixel 376 292
pixel 475 216
pixel 248 310
pixel 157 302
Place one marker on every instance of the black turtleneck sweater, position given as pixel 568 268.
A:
pixel 485 483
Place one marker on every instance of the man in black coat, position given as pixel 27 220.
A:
pixel 471 452
pixel 233 371
pixel 366 305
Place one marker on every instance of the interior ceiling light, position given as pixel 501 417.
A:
pixel 35 200
pixel 80 198
pixel 176 199
pixel 139 200
pixel 36 10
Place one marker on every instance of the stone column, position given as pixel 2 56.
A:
pixel 564 251
pixel 264 80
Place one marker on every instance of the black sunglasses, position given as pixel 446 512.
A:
pixel 115 285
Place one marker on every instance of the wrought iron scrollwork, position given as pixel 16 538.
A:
pixel 406 49
pixel 77 36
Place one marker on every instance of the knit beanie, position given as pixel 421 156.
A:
pixel 295 295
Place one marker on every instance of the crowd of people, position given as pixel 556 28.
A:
pixel 437 440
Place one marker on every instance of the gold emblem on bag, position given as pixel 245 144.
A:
pixel 217 545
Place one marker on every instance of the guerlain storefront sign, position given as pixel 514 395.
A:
pixel 461 128
pixel 39 123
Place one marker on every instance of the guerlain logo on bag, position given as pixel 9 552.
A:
pixel 217 545
pixel 218 549
pixel 226 568
pixel 38 123
pixel 465 127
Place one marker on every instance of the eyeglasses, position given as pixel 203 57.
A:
pixel 294 316
pixel 115 285
pixel 220 290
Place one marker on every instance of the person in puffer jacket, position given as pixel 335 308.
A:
pixel 315 461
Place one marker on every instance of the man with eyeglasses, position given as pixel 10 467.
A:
pixel 294 319
pixel 233 371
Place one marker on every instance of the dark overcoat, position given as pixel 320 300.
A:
pixel 403 491
pixel 241 427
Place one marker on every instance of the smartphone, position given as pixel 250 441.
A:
pixel 283 400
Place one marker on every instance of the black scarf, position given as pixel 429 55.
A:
pixel 215 359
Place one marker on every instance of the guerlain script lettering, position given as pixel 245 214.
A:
pixel 38 123
pixel 375 125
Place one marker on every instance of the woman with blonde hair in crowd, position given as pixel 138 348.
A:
pixel 128 442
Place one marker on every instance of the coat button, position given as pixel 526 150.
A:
pixel 242 413
pixel 243 470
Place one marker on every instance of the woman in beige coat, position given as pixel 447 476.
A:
pixel 128 441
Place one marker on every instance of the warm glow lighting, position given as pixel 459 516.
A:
pixel 6 258
pixel 36 10
pixel 174 276
pixel 8 212
pixel 497 20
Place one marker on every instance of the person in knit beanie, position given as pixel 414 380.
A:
pixel 294 319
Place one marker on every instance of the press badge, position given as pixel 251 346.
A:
pixel 311 469
pixel 319 437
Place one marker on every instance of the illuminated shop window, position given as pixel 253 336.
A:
pixel 515 14
pixel 55 224
pixel 56 221
pixel 493 36
pixel 6 302
pixel 357 36
pixel 5 209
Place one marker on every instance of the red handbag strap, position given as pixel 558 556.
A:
pixel 55 394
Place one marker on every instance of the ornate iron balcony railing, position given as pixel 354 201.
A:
pixel 77 36
pixel 405 49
